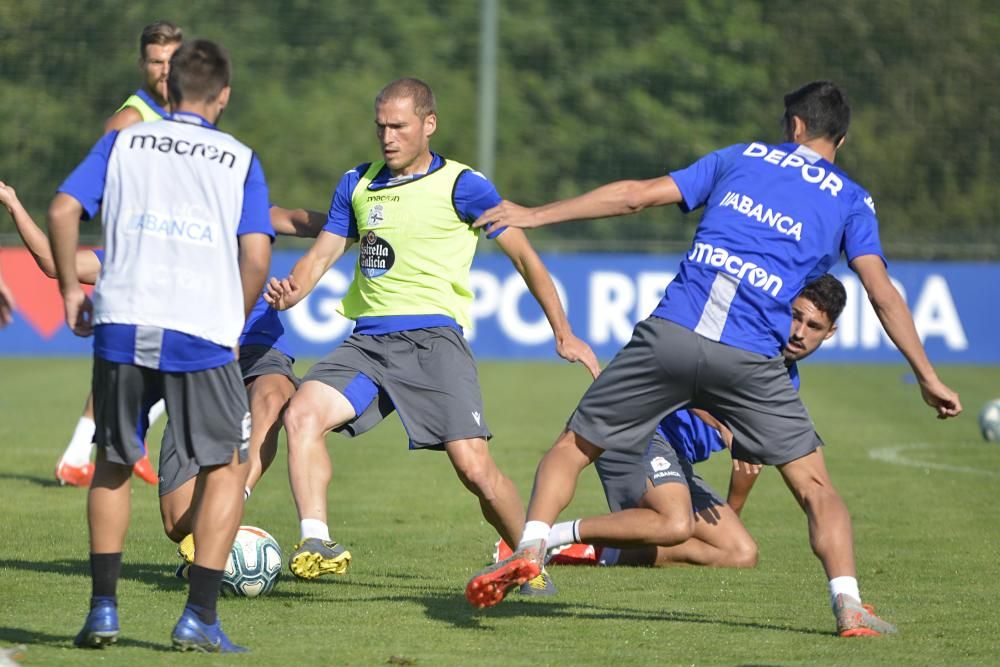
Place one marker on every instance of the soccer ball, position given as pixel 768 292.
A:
pixel 253 565
pixel 989 421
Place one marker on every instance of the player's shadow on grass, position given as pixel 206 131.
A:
pixel 455 610
pixel 34 638
pixel 159 575
pixel 34 479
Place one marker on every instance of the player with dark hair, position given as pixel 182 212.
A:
pixel 775 218
pixel 188 244
pixel 652 493
pixel 157 44
pixel 411 213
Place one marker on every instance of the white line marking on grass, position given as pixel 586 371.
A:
pixel 895 455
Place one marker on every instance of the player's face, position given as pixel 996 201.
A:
pixel 810 327
pixel 404 137
pixel 156 66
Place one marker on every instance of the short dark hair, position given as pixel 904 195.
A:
pixel 199 70
pixel 823 107
pixel 160 33
pixel 424 103
pixel 828 294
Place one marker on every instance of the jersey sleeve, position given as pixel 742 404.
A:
pixel 99 253
pixel 475 194
pixel 86 183
pixel 340 219
pixel 696 181
pixel 256 215
pixel 861 231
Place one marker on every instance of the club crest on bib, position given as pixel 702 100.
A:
pixel 376 216
pixel 376 256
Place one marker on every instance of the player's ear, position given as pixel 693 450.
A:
pixel 430 124
pixel 224 96
pixel 833 330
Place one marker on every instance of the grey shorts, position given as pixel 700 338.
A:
pixel 257 360
pixel 624 474
pixel 208 416
pixel 665 367
pixel 428 376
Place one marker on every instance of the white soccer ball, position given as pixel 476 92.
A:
pixel 253 565
pixel 989 421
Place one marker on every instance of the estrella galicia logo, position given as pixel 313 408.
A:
pixel 376 256
pixel 376 215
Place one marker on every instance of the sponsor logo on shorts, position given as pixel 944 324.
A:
pixel 376 256
pixel 376 215
pixel 659 463
pixel 477 417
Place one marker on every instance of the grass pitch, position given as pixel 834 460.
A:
pixel 922 494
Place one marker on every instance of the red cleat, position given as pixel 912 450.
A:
pixel 857 620
pixel 573 554
pixel 492 584
pixel 68 475
pixel 501 551
pixel 143 469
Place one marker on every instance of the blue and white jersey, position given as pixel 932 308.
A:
pixel 695 440
pixel 776 217
pixel 175 195
pixel 474 195
pixel 263 325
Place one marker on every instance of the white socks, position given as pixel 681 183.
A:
pixel 534 530
pixel 80 444
pixel 566 532
pixel 845 586
pixel 314 528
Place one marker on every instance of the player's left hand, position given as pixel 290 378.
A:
pixel 747 468
pixel 573 349
pixel 79 312
pixel 942 398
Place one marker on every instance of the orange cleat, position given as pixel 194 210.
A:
pixel 143 469
pixel 68 475
pixel 857 620
pixel 492 584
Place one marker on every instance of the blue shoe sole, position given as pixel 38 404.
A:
pixel 96 639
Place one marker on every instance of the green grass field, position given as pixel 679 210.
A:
pixel 927 545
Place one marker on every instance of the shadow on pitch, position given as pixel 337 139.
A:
pixel 34 638
pixel 455 610
pixel 34 479
pixel 154 574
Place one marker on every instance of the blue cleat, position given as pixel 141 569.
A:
pixel 191 634
pixel 101 627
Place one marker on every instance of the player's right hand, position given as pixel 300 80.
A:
pixel 7 195
pixel 79 312
pixel 942 398
pixel 506 214
pixel 282 294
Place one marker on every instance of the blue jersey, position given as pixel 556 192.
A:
pixel 695 440
pixel 776 217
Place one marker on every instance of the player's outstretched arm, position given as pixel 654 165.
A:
pixel 297 221
pixel 897 321
pixel 87 265
pixel 613 199
pixel 64 232
pixel 527 262
pixel 284 293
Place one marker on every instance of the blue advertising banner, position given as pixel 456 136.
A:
pixel 953 306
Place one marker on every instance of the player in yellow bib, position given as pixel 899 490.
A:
pixel 410 298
